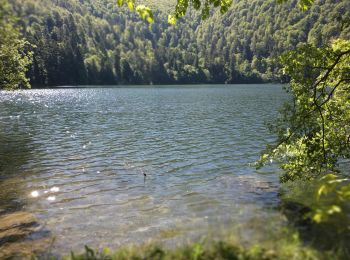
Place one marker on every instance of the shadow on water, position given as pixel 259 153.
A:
pixel 13 154
pixel 20 232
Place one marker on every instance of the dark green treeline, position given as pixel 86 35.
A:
pixel 78 42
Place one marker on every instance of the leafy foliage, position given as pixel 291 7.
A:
pixel 332 199
pixel 303 4
pixel 321 209
pixel 223 5
pixel 14 57
pixel 313 131
pixel 144 11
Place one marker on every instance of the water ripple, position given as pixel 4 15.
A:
pixel 95 145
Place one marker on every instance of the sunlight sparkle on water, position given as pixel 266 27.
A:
pixel 55 189
pixel 193 145
pixel 34 194
pixel 51 198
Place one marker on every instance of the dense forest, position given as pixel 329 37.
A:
pixel 95 42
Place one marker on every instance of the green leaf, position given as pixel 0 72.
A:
pixel 120 3
pixel 131 5
pixel 145 13
pixel 317 217
pixel 321 190
pixel 172 19
pixel 334 209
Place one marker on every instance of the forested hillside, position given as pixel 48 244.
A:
pixel 78 42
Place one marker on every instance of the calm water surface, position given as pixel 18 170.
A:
pixel 75 158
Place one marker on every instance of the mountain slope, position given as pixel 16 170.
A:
pixel 95 42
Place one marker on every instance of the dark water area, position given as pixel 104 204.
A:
pixel 76 159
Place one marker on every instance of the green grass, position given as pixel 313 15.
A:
pixel 287 247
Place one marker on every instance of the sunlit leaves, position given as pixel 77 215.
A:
pixel 144 11
pixel 223 5
pixel 313 132
pixel 180 9
pixel 171 19
pixel 14 57
pixel 326 202
pixel 303 4
pixel 340 45
pixel 331 201
pixel 120 3
pixel 205 7
pixel 131 5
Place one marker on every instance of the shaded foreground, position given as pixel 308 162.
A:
pixel 288 248
pixel 281 243
pixel 274 244
pixel 219 250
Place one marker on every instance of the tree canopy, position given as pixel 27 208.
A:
pixel 313 130
pixel 14 55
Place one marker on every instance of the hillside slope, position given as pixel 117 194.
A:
pixel 95 42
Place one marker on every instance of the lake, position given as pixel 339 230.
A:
pixel 76 159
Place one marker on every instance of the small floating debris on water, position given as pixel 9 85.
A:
pixel 34 194
pixel 51 198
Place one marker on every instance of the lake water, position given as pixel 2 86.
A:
pixel 76 159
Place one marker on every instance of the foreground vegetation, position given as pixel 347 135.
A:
pixel 311 232
pixel 286 243
pixel 15 56
pixel 216 250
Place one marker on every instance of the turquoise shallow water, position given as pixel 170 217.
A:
pixel 76 159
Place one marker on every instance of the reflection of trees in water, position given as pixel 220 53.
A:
pixel 15 139
pixel 14 153
pixel 20 231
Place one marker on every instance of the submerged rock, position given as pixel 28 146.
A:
pixel 21 235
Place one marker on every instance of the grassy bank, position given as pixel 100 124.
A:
pixel 286 233
pixel 300 238
pixel 228 249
